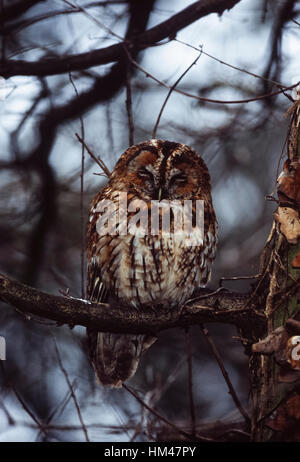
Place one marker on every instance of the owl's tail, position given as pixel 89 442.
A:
pixel 115 357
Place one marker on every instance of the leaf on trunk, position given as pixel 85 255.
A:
pixel 296 261
pixel 286 349
pixel 288 183
pixel 286 416
pixel 289 223
pixel 274 342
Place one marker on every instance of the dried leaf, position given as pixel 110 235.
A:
pixel 293 407
pixel 288 376
pixel 286 349
pixel 289 183
pixel 286 416
pixel 296 261
pixel 289 222
pixel 274 342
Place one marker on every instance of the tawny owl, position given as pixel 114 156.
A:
pixel 133 264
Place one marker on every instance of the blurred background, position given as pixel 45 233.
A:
pixel 43 217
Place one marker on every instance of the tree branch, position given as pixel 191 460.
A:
pixel 220 306
pixel 17 9
pixel 165 29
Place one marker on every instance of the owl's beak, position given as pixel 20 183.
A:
pixel 159 194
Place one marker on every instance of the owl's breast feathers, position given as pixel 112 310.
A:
pixel 148 270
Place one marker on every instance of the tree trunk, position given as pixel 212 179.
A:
pixel 275 376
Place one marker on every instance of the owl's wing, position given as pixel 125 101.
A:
pixel 96 290
pixel 114 357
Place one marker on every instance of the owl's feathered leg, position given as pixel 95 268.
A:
pixel 115 357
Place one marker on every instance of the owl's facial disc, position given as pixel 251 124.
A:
pixel 157 170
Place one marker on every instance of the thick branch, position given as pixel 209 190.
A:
pixel 13 11
pixel 165 29
pixel 227 307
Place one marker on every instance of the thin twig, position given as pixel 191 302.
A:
pixel 24 23
pixel 230 65
pixel 170 92
pixel 61 366
pixel 129 105
pixel 58 410
pixel 296 22
pixel 112 53
pixel 232 392
pixel 190 381
pixel 160 417
pixel 111 428
pixel 23 404
pixel 208 100
pixel 82 227
pixel 237 278
pixel 95 20
pixel 98 160
pixel 161 390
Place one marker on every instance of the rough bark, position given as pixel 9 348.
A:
pixel 275 378
pixel 228 307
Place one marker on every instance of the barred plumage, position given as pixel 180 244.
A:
pixel 141 269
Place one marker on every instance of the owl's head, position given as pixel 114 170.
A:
pixel 157 169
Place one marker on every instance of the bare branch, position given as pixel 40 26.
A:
pixel 163 419
pixel 227 307
pixel 61 366
pixel 165 29
pixel 231 389
pixel 129 105
pixel 190 381
pixel 82 224
pixel 13 11
pixel 170 92
pixel 209 100
pixel 98 160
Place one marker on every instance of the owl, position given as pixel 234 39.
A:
pixel 134 263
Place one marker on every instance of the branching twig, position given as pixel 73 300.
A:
pixel 225 374
pixel 163 419
pixel 190 381
pixel 150 37
pixel 209 100
pixel 129 105
pixel 98 160
pixel 82 227
pixel 102 26
pixel 61 366
pixel 169 94
pixel 24 405
pixel 278 84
